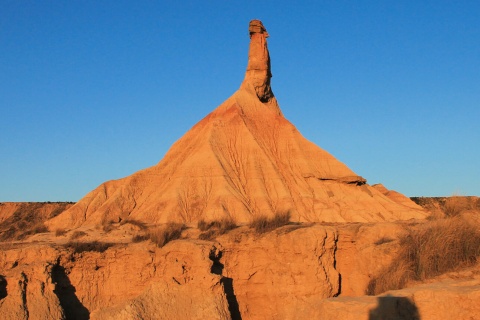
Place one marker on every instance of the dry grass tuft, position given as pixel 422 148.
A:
pixel 215 228
pixel 60 232
pixel 79 247
pixel 139 238
pixel 107 225
pixel 263 224
pixel 134 222
pixel 163 235
pixel 455 205
pixel 434 248
pixel 77 234
pixel 37 228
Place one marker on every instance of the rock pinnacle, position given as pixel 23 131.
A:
pixel 258 69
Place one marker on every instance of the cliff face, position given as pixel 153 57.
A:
pixel 242 274
pixel 241 160
pixel 298 271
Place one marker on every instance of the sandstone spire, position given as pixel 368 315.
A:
pixel 243 159
pixel 258 69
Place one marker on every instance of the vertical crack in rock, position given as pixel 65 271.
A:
pixel 325 260
pixel 65 291
pixel 23 287
pixel 227 283
pixel 335 248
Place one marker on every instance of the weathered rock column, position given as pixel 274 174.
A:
pixel 258 69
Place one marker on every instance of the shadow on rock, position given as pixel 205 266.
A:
pixel 65 291
pixel 231 298
pixel 3 287
pixel 217 268
pixel 394 308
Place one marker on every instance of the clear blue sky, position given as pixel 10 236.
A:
pixel 92 91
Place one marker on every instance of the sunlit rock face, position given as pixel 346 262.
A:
pixel 243 159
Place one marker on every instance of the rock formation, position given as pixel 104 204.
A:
pixel 297 271
pixel 258 69
pixel 243 159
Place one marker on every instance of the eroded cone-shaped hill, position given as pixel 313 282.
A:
pixel 241 160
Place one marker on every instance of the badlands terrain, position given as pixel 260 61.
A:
pixel 286 270
pixel 243 218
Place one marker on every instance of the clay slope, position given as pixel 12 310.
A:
pixel 242 160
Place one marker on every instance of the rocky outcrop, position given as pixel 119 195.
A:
pixel 181 286
pixel 283 274
pixel 123 282
pixel 444 300
pixel 241 160
pixel 298 271
pixel 258 72
pixel 27 289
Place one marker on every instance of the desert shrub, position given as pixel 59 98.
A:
pixel 23 230
pixel 77 234
pixel 437 247
pixel 96 246
pixel 203 225
pixel 215 228
pixel 162 235
pixel 139 237
pixel 37 228
pixel 134 222
pixel 60 232
pixel 453 206
pixel 263 224
pixel 107 225
pixel 208 235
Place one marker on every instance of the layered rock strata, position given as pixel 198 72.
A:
pixel 242 160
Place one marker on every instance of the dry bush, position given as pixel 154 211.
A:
pixel 79 247
pixel 208 235
pixel 37 228
pixel 437 247
pixel 263 224
pixel 139 238
pixel 60 232
pixel 162 235
pixel 454 205
pixel 107 225
pixel 134 222
pixel 203 225
pixel 215 228
pixel 77 234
